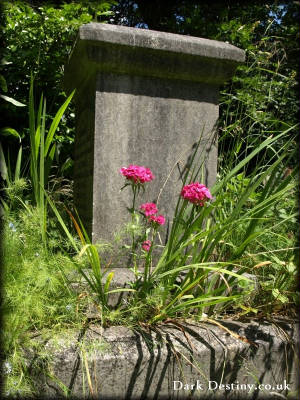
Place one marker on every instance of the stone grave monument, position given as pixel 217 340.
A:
pixel 146 98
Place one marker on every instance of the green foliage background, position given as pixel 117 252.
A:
pixel 37 39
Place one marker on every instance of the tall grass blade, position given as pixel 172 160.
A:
pixel 55 123
pixel 42 174
pixel 245 161
pixel 3 166
pixel 38 127
pixel 48 163
pixel 18 164
pixel 63 225
pixel 33 149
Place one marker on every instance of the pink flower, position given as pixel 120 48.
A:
pixel 137 174
pixel 149 209
pixel 196 193
pixel 160 219
pixel 146 245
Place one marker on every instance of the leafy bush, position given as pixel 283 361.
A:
pixel 37 41
pixel 262 99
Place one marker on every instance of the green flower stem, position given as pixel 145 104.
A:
pixel 133 247
pixel 134 189
pixel 148 262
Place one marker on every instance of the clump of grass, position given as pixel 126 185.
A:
pixel 272 257
pixel 202 269
pixel 15 190
pixel 17 384
pixel 35 293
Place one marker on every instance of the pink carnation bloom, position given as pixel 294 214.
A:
pixel 149 209
pixel 137 173
pixel 160 219
pixel 196 193
pixel 146 245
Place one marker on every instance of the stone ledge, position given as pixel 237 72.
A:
pixel 122 50
pixel 155 40
pixel 123 364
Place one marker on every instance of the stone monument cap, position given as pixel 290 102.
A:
pixel 112 48
pixel 156 40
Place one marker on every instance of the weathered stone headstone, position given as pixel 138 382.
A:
pixel 143 97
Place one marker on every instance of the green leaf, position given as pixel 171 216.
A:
pixel 63 225
pixel 56 121
pixel 279 296
pixel 42 173
pixel 10 132
pixel 211 266
pixel 33 151
pixel 205 300
pixel 121 290
pixel 12 101
pixel 108 281
pixel 3 84
pixel 38 129
pixel 48 162
pixel 18 164
pixel 3 166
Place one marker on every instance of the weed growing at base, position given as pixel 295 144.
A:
pixel 211 245
pixel 35 295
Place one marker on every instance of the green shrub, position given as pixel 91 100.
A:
pixel 37 41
